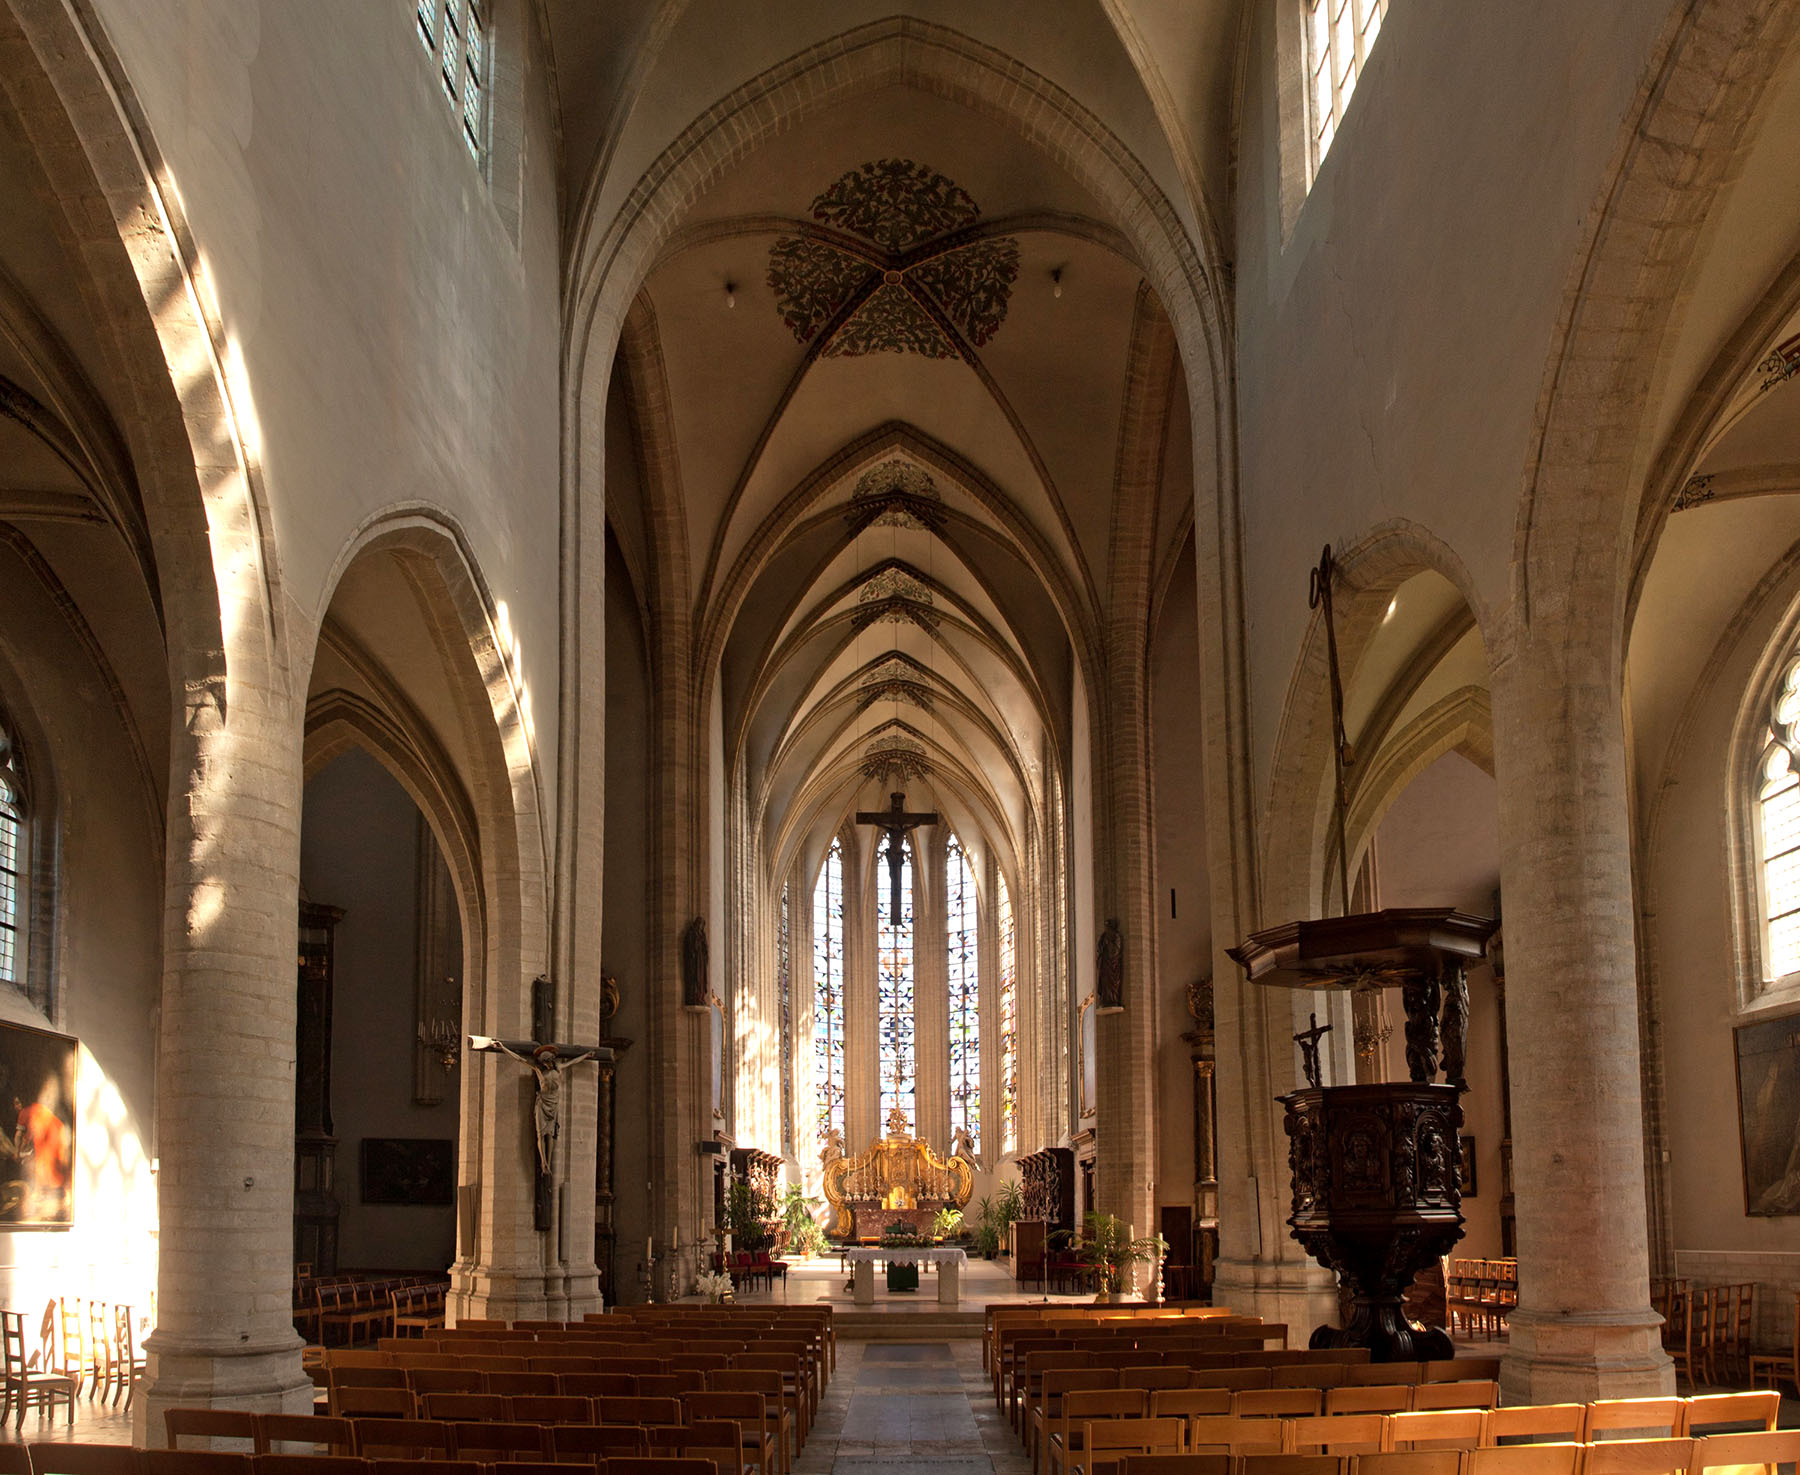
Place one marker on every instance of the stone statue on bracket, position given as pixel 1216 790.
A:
pixel 696 988
pixel 962 1145
pixel 1110 968
pixel 833 1150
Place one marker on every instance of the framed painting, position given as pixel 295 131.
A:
pixel 408 1170
pixel 1466 1165
pixel 37 1149
pixel 1768 1084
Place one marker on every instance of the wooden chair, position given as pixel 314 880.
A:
pixel 310 1430
pixel 1337 1434
pixel 634 1465
pixel 1409 1462
pixel 372 1403
pixel 736 1380
pixel 466 1408
pixel 1645 1418
pixel 588 1442
pixel 1228 1434
pixel 427 1466
pixel 596 1385
pixel 492 1442
pixel 550 1408
pixel 1535 1423
pixel 25 1385
pixel 424 1380
pixel 1079 1408
pixel 194 1462
pixel 1436 1429
pixel 1176 1465
pixel 1465 1393
pixel 412 1439
pixel 1639 1456
pixel 15 1459
pixel 128 1365
pixel 1186 1402
pixel 1374 1399
pixel 210 1423
pixel 521 1383
pixel 717 1440
pixel 1523 1459
pixel 1715 1413
pixel 354 1375
pixel 1290 1464
pixel 1772 1448
pixel 1307 1375
pixel 311 1465
pixel 84 1459
pixel 99 1340
pixel 1784 1363
pixel 1279 1403
pixel 1105 1442
pixel 756 1430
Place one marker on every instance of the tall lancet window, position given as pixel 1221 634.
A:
pixel 12 857
pixel 1009 1024
pixel 1778 831
pixel 828 992
pixel 784 988
pixel 895 983
pixel 965 993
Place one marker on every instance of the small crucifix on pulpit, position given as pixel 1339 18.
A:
pixel 1308 1041
pixel 894 822
pixel 547 1062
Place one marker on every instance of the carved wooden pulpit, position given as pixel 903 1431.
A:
pixel 1375 1173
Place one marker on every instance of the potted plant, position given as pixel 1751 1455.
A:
pixel 1109 1250
pixel 804 1237
pixel 749 1216
pixel 715 1285
pixel 987 1230
pixel 947 1222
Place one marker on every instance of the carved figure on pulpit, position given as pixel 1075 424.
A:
pixel 1420 996
pixel 1456 1026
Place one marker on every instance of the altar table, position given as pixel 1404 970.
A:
pixel 948 1261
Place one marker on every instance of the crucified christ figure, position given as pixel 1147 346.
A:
pixel 547 1062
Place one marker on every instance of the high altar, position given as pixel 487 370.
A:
pixel 898 1180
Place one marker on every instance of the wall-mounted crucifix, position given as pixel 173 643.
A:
pixel 894 822
pixel 547 1062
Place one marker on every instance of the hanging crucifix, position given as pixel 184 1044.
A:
pixel 894 821
pixel 547 1062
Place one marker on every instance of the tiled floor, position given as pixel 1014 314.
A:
pixel 923 1407
pixel 96 1422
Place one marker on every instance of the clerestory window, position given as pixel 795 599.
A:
pixel 828 993
pixel 455 33
pixel 1339 37
pixel 965 992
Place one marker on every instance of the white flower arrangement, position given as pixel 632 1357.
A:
pixel 715 1285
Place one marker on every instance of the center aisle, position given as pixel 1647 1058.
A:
pixel 924 1407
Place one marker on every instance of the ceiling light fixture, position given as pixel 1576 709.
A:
pixel 730 292
pixel 1056 282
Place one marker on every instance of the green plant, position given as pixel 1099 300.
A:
pixel 1108 1249
pixel 986 1238
pixel 804 1235
pixel 947 1222
pixel 750 1216
pixel 1009 1205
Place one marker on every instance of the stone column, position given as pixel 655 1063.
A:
pixel 1584 1328
pixel 225 1076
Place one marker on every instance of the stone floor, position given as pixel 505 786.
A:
pixel 923 1407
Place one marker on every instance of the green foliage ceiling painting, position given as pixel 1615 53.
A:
pixel 899 266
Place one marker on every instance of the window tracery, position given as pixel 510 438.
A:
pixel 455 33
pixel 12 859
pixel 965 992
pixel 1778 830
pixel 828 992
pixel 1009 1023
pixel 784 989
pixel 1339 36
pixel 894 987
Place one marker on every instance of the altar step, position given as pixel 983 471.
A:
pixel 927 1324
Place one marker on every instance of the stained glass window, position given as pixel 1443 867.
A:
pixel 1339 34
pixel 12 859
pixel 1778 831
pixel 894 983
pixel 828 992
pixel 1009 1024
pixel 785 994
pixel 455 33
pixel 965 993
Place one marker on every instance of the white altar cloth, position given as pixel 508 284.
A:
pixel 947 1261
pixel 907 1254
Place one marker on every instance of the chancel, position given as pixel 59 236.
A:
pixel 652 650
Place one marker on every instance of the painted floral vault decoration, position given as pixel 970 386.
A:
pixel 898 268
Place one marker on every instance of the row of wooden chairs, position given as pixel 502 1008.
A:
pixel 59 1367
pixel 1780 1363
pixel 1170 1340
pixel 1752 1452
pixel 122 1459
pixel 1003 1314
pixel 1707 1329
pixel 351 1310
pixel 1481 1294
pixel 1368 1432
pixel 416 1310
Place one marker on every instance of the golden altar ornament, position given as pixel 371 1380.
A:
pixel 896 1172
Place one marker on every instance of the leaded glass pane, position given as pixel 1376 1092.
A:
pixel 427 13
pixel 784 989
pixel 965 993
pixel 828 993
pixel 1778 831
pixel 1009 1025
pixel 12 819
pixel 894 985
pixel 1339 36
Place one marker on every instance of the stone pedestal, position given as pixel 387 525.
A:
pixel 949 1278
pixel 862 1275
